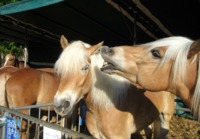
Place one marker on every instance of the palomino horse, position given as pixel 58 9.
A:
pixel 116 109
pixel 170 64
pixel 26 86
pixel 30 84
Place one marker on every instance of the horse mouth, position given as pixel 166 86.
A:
pixel 63 111
pixel 108 67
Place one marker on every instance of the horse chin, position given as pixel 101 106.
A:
pixel 64 111
pixel 108 68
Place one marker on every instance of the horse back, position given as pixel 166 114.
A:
pixel 23 85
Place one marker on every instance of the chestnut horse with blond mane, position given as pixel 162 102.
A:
pixel 169 64
pixel 26 86
pixel 22 86
pixel 116 109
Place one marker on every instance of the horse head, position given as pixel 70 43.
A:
pixel 74 62
pixel 146 64
pixel 169 64
pixel 9 60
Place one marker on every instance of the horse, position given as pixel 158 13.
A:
pixel 11 60
pixel 168 64
pixel 3 79
pixel 32 86
pixel 116 109
pixel 27 86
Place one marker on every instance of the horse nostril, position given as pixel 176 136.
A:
pixel 106 50
pixel 109 52
pixel 66 104
pixel 103 49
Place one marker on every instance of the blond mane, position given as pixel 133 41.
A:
pixel 72 55
pixel 177 51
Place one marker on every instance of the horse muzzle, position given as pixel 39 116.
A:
pixel 109 64
pixel 62 107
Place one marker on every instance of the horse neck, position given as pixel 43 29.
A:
pixel 189 90
pixel 195 104
pixel 107 90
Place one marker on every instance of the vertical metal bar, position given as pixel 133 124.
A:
pixel 28 124
pixel 21 119
pixel 39 113
pixel 25 49
pixel 3 132
pixel 29 112
pixel 2 129
pixel 79 123
pixel 48 113
pixel 57 118
pixel 38 125
pixel 28 128
pixel 36 129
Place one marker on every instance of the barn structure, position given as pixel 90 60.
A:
pixel 38 24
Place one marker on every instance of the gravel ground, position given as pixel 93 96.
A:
pixel 181 127
pixel 184 128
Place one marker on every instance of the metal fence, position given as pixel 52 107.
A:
pixel 35 126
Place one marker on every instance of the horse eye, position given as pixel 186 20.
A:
pixel 156 53
pixel 84 68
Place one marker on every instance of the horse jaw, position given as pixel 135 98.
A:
pixel 109 66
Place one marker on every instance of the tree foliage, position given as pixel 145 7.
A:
pixel 11 47
pixel 4 2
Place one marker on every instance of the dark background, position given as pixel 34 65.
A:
pixel 93 21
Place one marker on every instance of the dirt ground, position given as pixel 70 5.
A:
pixel 181 127
pixel 184 128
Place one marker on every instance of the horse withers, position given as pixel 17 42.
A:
pixel 168 64
pixel 116 109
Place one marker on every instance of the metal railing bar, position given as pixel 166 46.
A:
pixel 33 106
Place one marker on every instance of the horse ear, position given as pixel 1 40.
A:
pixel 63 42
pixel 194 49
pixel 94 48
